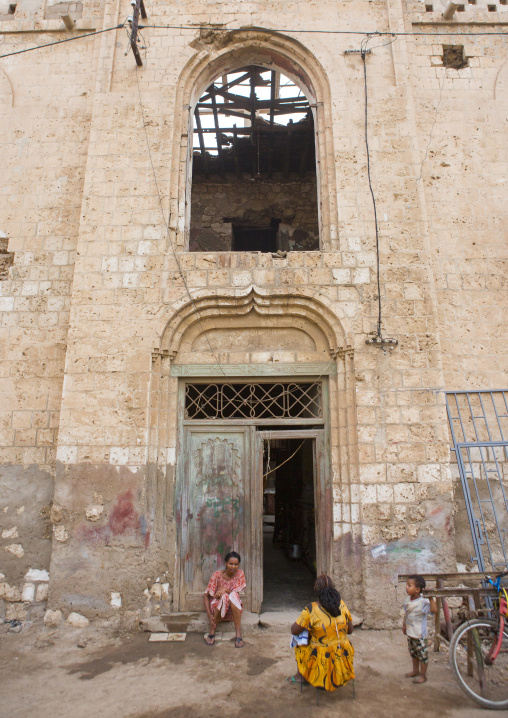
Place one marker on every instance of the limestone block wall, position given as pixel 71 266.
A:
pixel 54 9
pixel 461 117
pixel 45 110
pixel 97 207
pixel 28 12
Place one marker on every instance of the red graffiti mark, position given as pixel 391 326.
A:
pixel 440 517
pixel 123 517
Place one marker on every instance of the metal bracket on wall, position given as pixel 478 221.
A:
pixel 382 342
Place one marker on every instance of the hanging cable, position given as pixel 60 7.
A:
pixel 60 42
pixel 363 54
pixel 218 28
pixel 285 460
pixel 378 339
pixel 369 33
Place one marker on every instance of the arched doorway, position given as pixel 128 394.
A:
pixel 255 378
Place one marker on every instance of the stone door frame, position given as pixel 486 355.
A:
pixel 184 320
pixel 323 497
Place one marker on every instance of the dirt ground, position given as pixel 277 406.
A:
pixel 81 673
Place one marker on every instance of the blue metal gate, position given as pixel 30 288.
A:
pixel 479 427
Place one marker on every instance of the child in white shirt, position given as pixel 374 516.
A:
pixel 414 626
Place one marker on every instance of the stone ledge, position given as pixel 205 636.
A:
pixel 278 621
pixel 37 26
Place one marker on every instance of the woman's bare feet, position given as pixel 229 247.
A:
pixel 420 679
pixel 412 674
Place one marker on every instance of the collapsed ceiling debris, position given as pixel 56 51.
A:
pixel 236 132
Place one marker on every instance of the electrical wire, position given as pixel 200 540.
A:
pixel 285 461
pixel 372 33
pixel 59 42
pixel 194 28
pixel 364 51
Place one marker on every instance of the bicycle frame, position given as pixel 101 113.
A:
pixel 503 609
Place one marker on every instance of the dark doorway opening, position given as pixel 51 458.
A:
pixel 289 525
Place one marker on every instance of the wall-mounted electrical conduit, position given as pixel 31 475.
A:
pixel 377 339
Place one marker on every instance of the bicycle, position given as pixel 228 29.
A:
pixel 479 653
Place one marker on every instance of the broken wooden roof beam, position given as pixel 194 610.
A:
pixel 218 132
pixel 277 129
pixel 208 95
pixel 204 158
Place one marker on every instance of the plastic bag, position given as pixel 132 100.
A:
pixel 301 640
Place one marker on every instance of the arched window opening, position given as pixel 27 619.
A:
pixel 254 185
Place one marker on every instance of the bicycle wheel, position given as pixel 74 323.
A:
pixel 484 681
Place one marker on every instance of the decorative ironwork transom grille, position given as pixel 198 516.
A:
pixel 254 401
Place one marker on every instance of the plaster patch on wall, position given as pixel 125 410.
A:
pixel 115 600
pixel 16 549
pixel 60 533
pixel 417 553
pixel 10 533
pixel 36 574
pixel 378 551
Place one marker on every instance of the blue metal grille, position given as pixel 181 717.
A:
pixel 479 427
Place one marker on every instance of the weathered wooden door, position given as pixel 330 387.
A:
pixel 323 500
pixel 214 481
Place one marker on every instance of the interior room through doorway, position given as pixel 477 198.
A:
pixel 289 526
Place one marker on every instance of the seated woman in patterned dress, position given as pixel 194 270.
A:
pixel 222 600
pixel 327 661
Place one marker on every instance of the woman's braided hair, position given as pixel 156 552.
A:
pixel 327 595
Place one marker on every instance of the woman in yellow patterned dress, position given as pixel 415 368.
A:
pixel 327 661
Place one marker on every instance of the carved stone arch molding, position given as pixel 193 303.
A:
pixel 322 348
pixel 275 52
pixel 239 322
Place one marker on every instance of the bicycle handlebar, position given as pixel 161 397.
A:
pixel 497 583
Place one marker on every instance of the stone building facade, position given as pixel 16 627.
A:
pixel 106 315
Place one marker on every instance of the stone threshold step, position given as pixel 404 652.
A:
pixel 198 622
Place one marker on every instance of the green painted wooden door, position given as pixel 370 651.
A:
pixel 214 514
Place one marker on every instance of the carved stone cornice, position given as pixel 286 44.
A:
pixel 343 352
